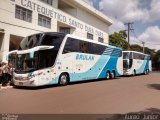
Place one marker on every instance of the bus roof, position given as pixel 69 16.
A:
pixel 136 52
pixel 51 33
pixel 89 40
pixel 76 37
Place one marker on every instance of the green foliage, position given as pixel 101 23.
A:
pixel 136 47
pixel 119 40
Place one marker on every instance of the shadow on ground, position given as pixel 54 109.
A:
pixel 52 86
pixel 154 86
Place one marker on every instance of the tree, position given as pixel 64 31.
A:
pixel 156 60
pixel 119 40
pixel 136 47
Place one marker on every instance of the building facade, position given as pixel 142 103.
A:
pixel 20 18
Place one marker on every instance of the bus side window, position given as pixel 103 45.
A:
pixel 46 58
pixel 96 49
pixel 52 40
pixel 71 45
pixel 84 46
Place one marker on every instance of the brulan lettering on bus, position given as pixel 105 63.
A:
pixel 84 57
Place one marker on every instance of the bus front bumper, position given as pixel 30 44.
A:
pixel 26 83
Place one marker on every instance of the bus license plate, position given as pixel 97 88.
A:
pixel 20 83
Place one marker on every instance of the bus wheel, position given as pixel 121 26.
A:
pixel 113 75
pixel 108 75
pixel 145 72
pixel 63 79
pixel 134 73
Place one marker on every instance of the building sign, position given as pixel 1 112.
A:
pixel 60 17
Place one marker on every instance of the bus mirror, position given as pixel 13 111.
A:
pixel 45 47
pixel 31 54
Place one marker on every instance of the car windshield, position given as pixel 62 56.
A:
pixel 24 63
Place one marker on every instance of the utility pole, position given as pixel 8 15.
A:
pixel 129 26
pixel 143 46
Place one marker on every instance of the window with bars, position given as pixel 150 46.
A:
pixel 44 21
pixel 47 1
pixel 90 36
pixel 100 39
pixel 23 14
pixel 65 30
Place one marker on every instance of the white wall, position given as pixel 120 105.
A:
pixel 14 26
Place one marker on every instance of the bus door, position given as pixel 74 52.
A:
pixel 66 63
pixel 45 63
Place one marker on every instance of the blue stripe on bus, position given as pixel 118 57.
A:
pixel 98 70
pixel 143 67
pixel 93 72
pixel 110 66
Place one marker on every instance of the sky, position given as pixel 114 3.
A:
pixel 145 14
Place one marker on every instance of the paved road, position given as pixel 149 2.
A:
pixel 123 95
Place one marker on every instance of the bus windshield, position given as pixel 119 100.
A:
pixel 127 55
pixel 42 39
pixel 25 64
pixel 125 64
pixel 43 58
pixel 30 42
pixel 12 59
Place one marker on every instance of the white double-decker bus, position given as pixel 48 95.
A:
pixel 58 58
pixel 136 63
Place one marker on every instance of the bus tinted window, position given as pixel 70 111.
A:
pixel 84 46
pixel 30 42
pixel 138 56
pixel 52 40
pixel 71 45
pixel 75 45
pixel 97 49
pixel 46 58
pixel 127 55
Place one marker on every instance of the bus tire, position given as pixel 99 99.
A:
pixel 134 73
pixel 146 72
pixel 113 76
pixel 108 75
pixel 63 79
